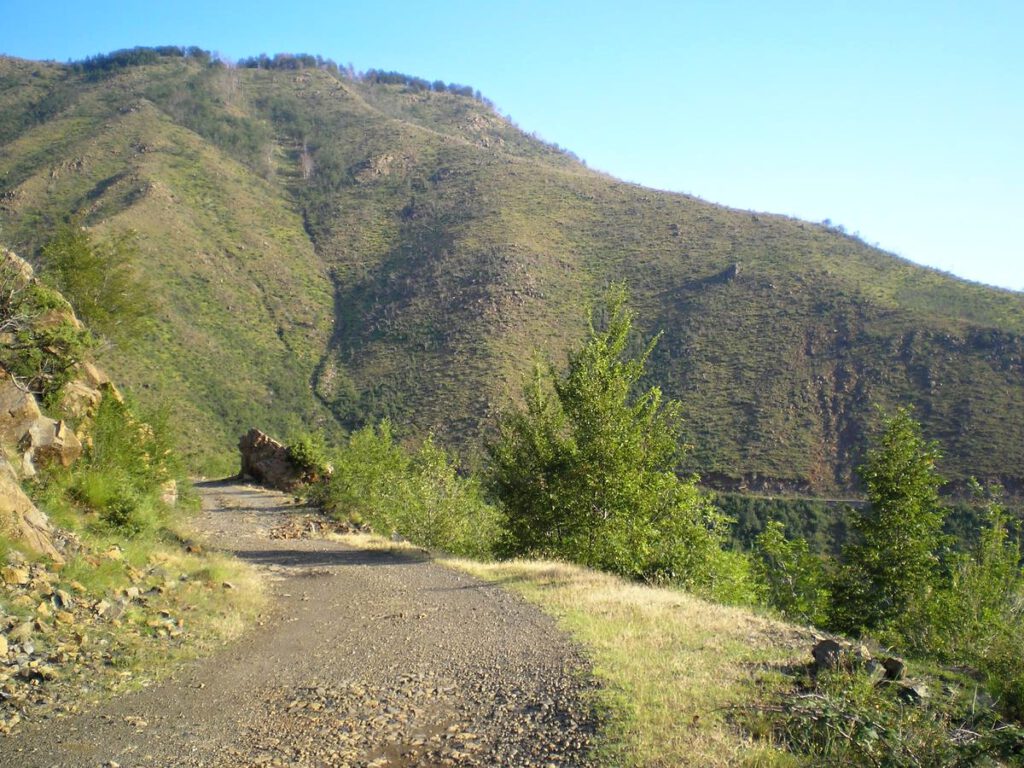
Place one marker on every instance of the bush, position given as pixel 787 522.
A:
pixel 418 495
pixel 586 470
pixel 309 453
pixel 99 278
pixel 892 566
pixel 794 580
pixel 123 469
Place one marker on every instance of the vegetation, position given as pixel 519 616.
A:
pixel 100 278
pixel 892 564
pixel 586 471
pixel 390 251
pixel 41 341
pixel 417 495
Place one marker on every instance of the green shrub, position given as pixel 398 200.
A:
pixel 99 278
pixel 846 718
pixel 418 495
pixel 794 581
pixel 587 470
pixel 308 452
pixel 892 565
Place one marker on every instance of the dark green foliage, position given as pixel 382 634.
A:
pixel 100 278
pixel 586 470
pixel 822 524
pixel 795 580
pixel 892 565
pixel 419 495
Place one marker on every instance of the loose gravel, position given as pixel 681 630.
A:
pixel 366 658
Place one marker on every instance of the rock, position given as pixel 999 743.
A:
pixel 266 461
pixel 895 668
pixel 15 577
pixel 18 411
pixel 21 633
pixel 19 518
pixel 3 646
pixel 827 654
pixel 78 399
pixel 912 692
pixel 49 441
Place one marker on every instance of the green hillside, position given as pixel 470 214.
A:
pixel 331 250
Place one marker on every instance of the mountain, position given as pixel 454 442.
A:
pixel 331 249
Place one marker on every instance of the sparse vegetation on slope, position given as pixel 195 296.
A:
pixel 334 248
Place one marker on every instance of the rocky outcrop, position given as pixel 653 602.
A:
pixel 20 519
pixel 266 461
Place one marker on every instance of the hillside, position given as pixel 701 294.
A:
pixel 333 250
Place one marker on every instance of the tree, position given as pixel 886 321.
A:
pixel 893 564
pixel 586 469
pixel 99 278
pixel 793 578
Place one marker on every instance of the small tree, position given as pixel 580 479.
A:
pixel 586 470
pixel 892 566
pixel 99 278
pixel 792 577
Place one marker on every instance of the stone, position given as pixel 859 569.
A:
pixel 78 399
pixel 895 668
pixel 15 577
pixel 18 411
pixel 19 518
pixel 51 442
pixel 266 461
pixel 21 633
pixel 912 692
pixel 827 654
pixel 3 646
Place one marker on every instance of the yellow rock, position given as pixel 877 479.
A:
pixel 15 576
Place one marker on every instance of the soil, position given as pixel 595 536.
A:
pixel 364 658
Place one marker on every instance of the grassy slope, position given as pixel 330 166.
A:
pixel 456 245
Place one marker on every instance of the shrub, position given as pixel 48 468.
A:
pixel 308 452
pixel 794 580
pixel 892 566
pixel 419 495
pixel 586 470
pixel 99 278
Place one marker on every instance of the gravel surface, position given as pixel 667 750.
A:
pixel 365 658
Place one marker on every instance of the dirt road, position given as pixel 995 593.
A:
pixel 364 659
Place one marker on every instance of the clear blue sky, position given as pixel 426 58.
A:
pixel 901 120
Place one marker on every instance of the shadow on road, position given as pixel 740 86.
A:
pixel 309 558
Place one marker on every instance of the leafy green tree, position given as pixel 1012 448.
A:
pixel 99 278
pixel 586 469
pixel 794 580
pixel 892 566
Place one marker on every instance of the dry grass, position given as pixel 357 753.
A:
pixel 671 663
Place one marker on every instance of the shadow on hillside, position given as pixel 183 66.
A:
pixel 292 558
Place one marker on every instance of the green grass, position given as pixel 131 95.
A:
pixel 435 246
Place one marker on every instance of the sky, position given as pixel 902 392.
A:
pixel 902 121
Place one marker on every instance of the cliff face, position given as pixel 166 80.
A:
pixel 36 368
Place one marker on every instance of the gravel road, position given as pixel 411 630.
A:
pixel 364 658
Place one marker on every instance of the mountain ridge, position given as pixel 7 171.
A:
pixel 399 252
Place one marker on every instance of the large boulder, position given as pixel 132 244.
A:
pixel 20 519
pixel 266 461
